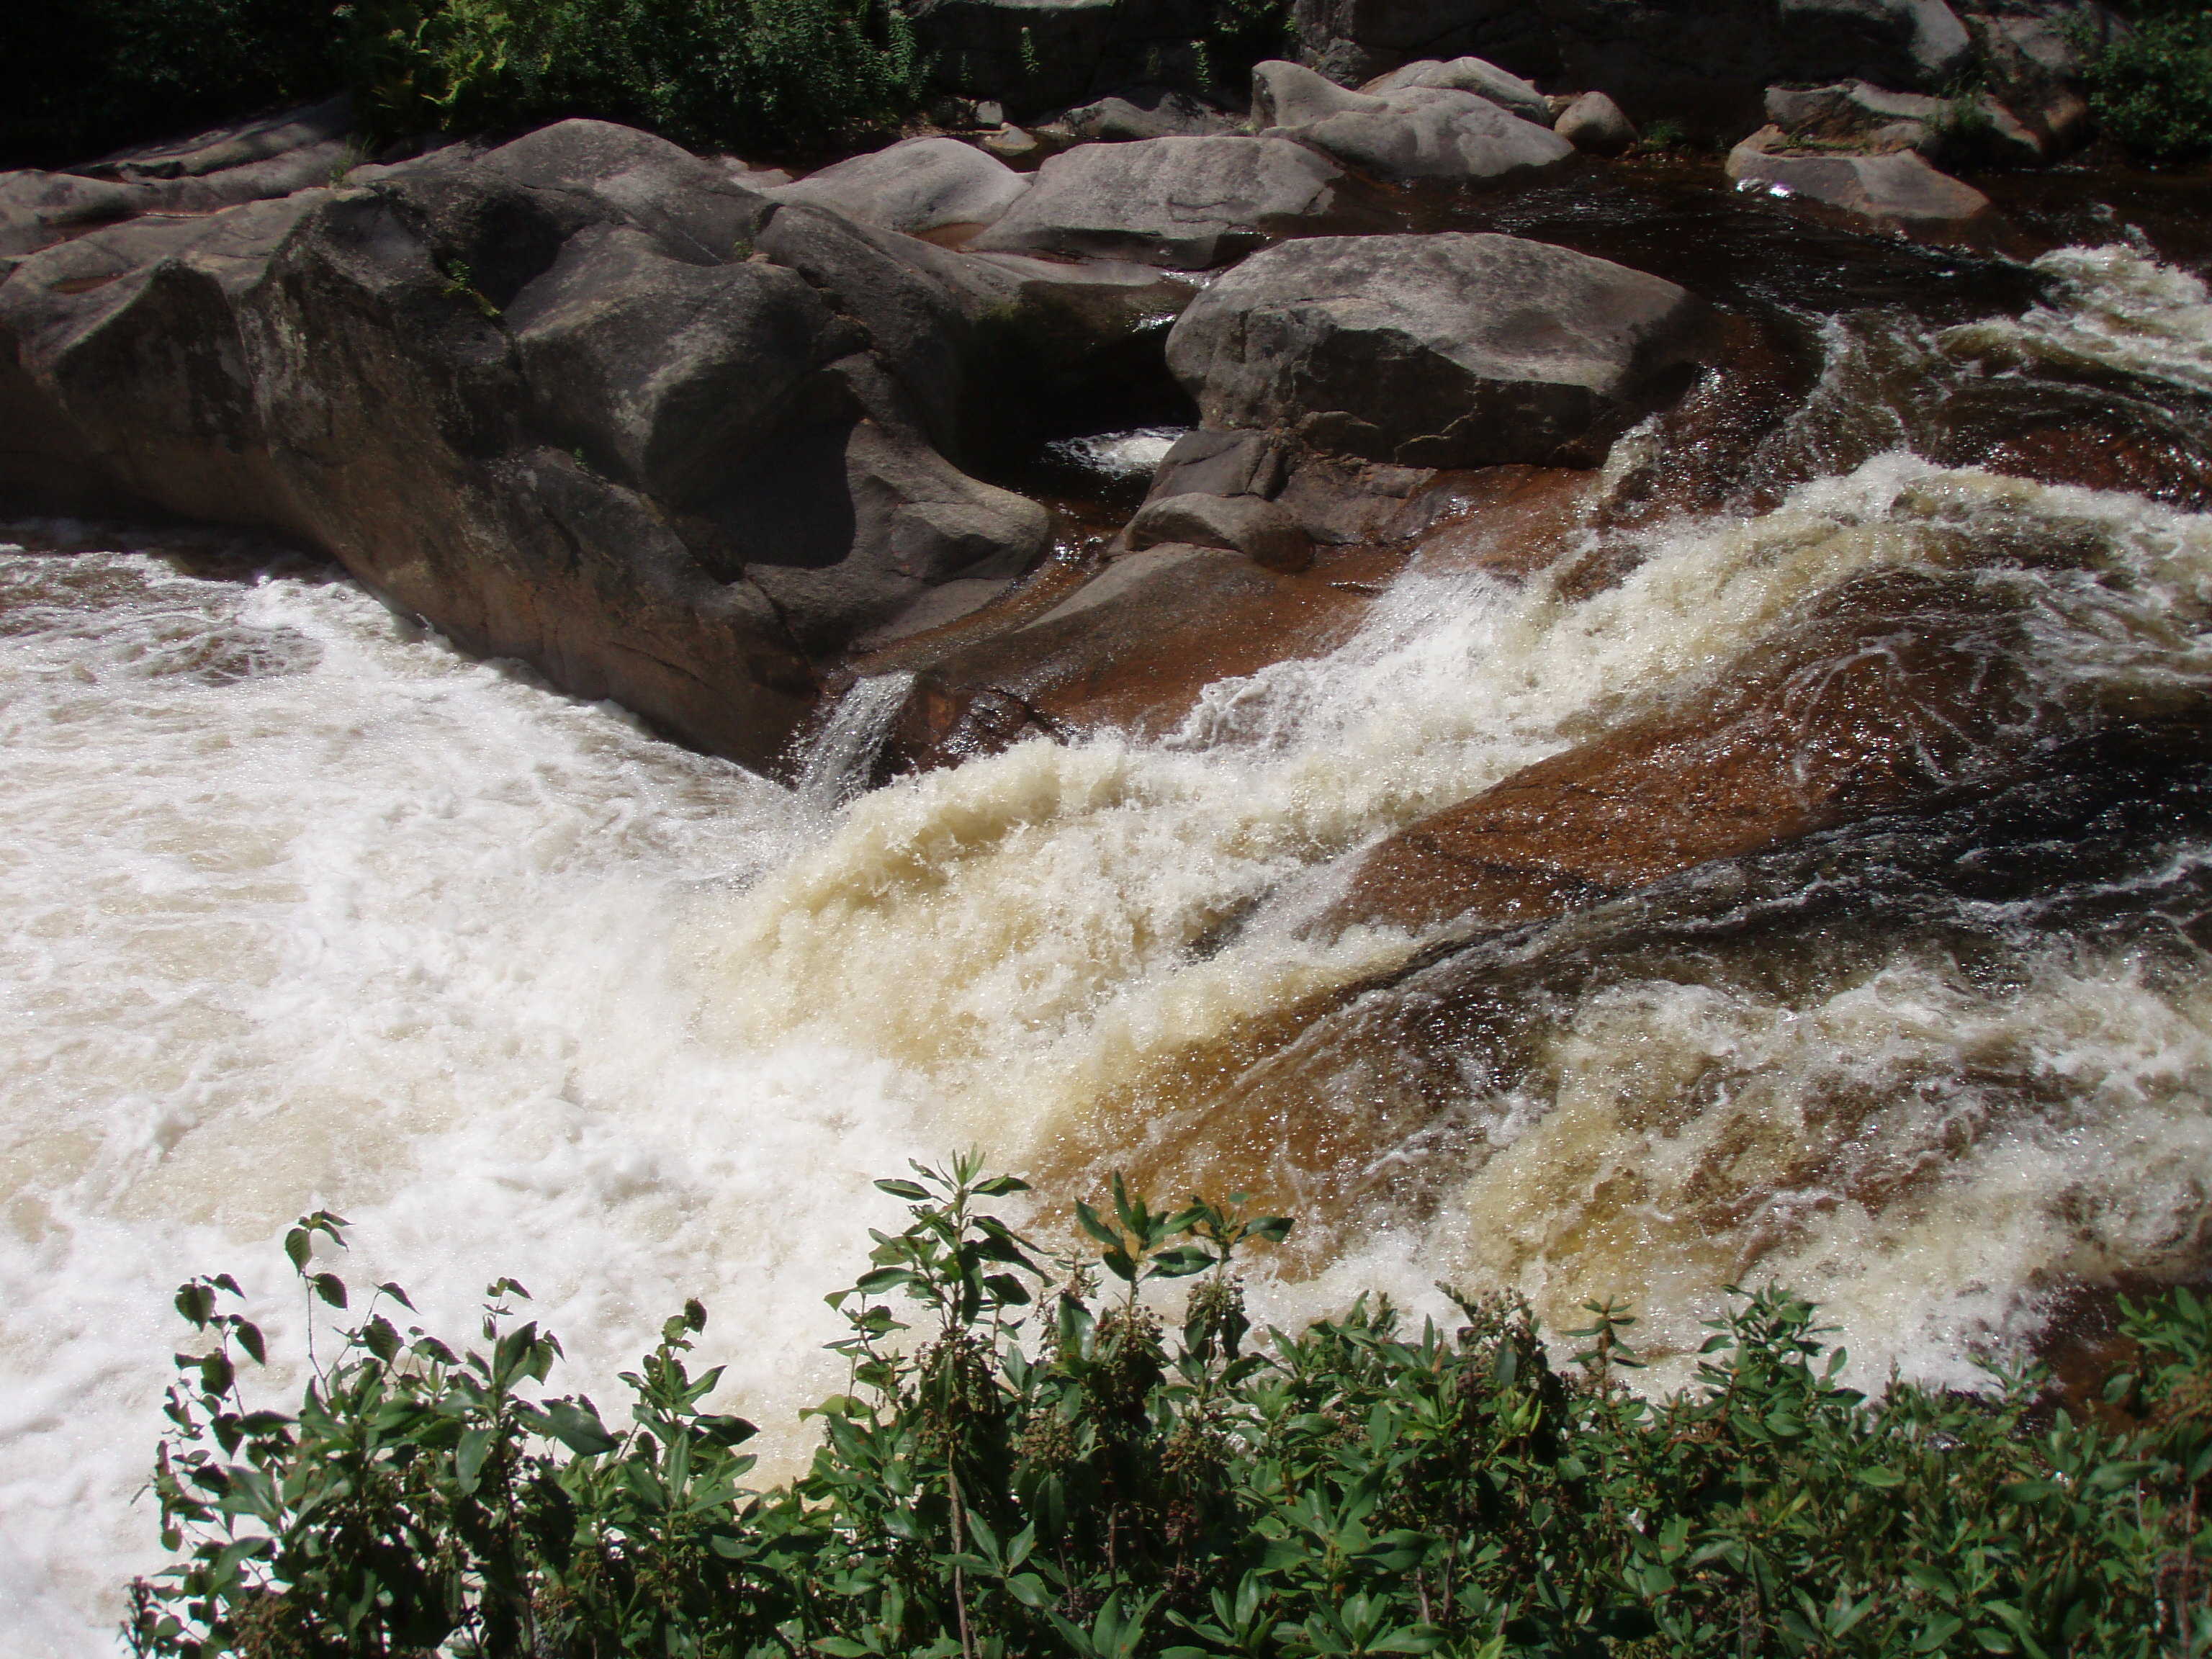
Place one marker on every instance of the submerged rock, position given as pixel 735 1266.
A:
pixel 1452 350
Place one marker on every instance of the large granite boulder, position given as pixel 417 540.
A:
pixel 1186 204
pixel 1451 349
pixel 1414 132
pixel 582 400
pixel 915 186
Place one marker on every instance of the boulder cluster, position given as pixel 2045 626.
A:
pixel 685 433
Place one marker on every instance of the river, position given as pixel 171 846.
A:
pixel 301 908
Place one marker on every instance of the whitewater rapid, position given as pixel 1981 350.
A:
pixel 301 908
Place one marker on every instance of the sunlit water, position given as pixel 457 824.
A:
pixel 300 908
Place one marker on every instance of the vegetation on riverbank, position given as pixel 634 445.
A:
pixel 2151 87
pixel 708 73
pixel 1044 1464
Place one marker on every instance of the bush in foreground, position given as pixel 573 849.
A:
pixel 1039 1468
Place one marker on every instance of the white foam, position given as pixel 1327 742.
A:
pixel 384 931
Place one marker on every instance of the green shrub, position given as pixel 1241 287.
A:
pixel 2151 89
pixel 703 72
pixel 1036 1468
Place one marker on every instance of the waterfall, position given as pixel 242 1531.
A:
pixel 837 759
pixel 300 907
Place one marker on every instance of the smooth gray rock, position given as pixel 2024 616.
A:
pixel 903 293
pixel 1355 40
pixel 37 210
pixel 915 186
pixel 1508 91
pixel 1258 529
pixel 1450 349
pixel 1143 113
pixel 696 209
pixel 1434 133
pixel 1208 462
pixel 1287 95
pixel 1414 132
pixel 1898 189
pixel 864 521
pixel 657 368
pixel 1595 123
pixel 235 145
pixel 1186 204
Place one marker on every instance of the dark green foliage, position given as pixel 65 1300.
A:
pixel 83 80
pixel 706 73
pixel 2152 89
pixel 80 78
pixel 1039 1468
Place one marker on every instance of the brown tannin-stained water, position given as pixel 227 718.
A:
pixel 298 908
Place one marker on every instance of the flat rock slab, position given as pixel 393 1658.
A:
pixel 1184 203
pixel 1451 350
pixel 1917 692
pixel 920 185
pixel 1898 189
pixel 1132 649
pixel 1144 113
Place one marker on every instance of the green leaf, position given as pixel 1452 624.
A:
pixel 1179 1262
pixel 330 1288
pixel 469 1456
pixel 1880 1479
pixel 577 1427
pixel 249 1338
pixel 907 1189
pixel 1098 1229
